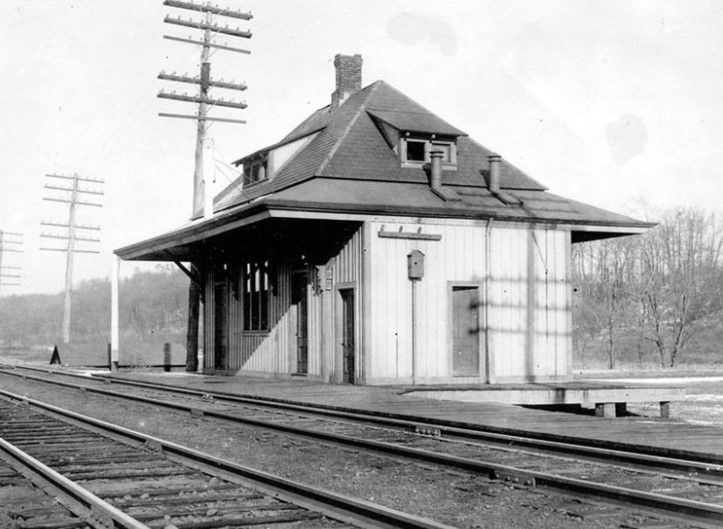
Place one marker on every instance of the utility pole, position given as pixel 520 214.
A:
pixel 202 190
pixel 10 242
pixel 72 196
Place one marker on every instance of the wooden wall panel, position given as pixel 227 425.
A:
pixel 526 309
pixel 271 352
pixel 458 256
pixel 348 270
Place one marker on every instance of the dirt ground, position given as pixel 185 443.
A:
pixel 455 498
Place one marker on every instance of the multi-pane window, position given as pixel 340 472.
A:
pixel 254 171
pixel 417 150
pixel 256 296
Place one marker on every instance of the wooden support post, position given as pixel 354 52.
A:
pixel 167 357
pixel 194 301
pixel 114 351
pixel 326 292
pixel 665 409
pixel 605 409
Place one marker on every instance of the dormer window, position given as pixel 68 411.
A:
pixel 254 171
pixel 414 150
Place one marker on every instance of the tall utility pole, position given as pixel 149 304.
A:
pixel 71 194
pixel 10 242
pixel 202 191
pixel 201 187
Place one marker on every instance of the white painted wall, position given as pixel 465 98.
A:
pixel 520 265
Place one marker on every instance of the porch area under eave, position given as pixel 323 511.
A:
pixel 283 261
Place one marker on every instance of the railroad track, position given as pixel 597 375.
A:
pixel 135 481
pixel 28 499
pixel 670 487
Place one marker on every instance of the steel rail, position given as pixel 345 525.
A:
pixel 624 452
pixel 700 510
pixel 95 508
pixel 339 506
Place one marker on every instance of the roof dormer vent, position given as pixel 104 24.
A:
pixel 348 78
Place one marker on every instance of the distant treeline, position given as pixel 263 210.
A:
pixel 151 304
pixel 655 298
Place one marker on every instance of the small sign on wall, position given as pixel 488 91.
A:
pixel 415 265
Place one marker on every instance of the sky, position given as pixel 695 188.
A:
pixel 617 104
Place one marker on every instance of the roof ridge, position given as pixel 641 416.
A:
pixel 352 121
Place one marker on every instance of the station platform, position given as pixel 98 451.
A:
pixel 415 402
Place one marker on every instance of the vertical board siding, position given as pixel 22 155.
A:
pixel 260 351
pixel 458 256
pixel 348 269
pixel 271 352
pixel 526 310
pixel 529 323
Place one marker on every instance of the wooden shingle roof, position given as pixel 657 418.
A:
pixel 349 166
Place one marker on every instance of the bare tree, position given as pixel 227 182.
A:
pixel 679 259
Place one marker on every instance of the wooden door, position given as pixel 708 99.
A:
pixel 300 307
pixel 347 334
pixel 220 320
pixel 465 331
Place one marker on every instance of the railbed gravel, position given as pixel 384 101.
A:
pixel 454 497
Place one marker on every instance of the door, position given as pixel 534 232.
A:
pixel 347 334
pixel 220 299
pixel 300 307
pixel 465 331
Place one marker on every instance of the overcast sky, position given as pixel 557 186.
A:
pixel 611 103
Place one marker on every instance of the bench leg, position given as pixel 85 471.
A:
pixel 665 410
pixel 605 409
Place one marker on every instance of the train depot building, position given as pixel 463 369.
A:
pixel 378 244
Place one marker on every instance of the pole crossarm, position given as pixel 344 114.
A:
pixel 206 100
pixel 8 249
pixel 59 188
pixel 234 32
pixel 10 275
pixel 185 116
pixel 61 225
pixel 13 233
pixel 75 250
pixel 71 177
pixel 66 237
pixel 73 202
pixel 196 80
pixel 210 45
pixel 207 8
pixel 3 267
pixel 9 284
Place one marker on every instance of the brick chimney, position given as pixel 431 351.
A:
pixel 348 78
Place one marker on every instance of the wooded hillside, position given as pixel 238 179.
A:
pixel 153 309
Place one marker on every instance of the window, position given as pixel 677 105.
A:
pixel 254 171
pixel 256 296
pixel 446 149
pixel 416 150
